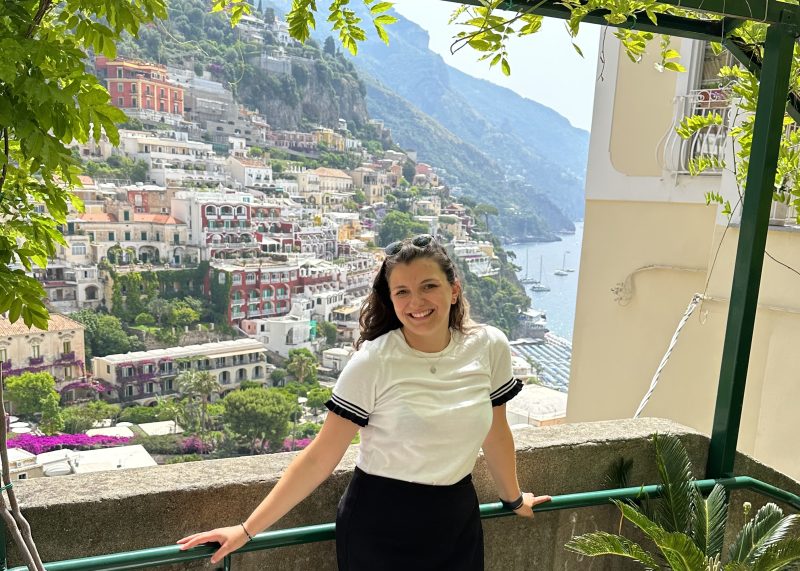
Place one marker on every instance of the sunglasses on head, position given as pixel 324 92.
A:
pixel 419 241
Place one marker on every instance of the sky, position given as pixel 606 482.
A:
pixel 544 67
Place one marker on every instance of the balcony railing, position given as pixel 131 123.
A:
pixel 564 450
pixel 170 554
pixel 708 142
pixel 33 361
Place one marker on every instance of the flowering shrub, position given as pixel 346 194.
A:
pixel 39 444
pixel 193 445
pixel 299 444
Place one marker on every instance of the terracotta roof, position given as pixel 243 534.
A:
pixel 58 322
pixel 86 180
pixel 157 218
pixel 324 171
pixel 251 162
pixel 97 217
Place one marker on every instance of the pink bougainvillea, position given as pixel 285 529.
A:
pixel 299 444
pixel 39 444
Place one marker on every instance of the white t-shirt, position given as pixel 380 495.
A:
pixel 420 426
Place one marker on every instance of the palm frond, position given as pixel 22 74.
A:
pixel 778 556
pixel 753 531
pixel 634 515
pixel 786 527
pixel 602 543
pixel 674 511
pixel 678 549
pixel 710 516
pixel 618 474
pixel 680 552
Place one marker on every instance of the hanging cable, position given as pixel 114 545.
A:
pixel 696 299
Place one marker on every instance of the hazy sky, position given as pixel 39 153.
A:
pixel 544 67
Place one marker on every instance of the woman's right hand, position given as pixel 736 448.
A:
pixel 229 538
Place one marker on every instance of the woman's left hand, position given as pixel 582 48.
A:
pixel 528 502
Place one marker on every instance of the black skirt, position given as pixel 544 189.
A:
pixel 385 524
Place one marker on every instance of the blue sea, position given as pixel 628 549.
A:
pixel 559 302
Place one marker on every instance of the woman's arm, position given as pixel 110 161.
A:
pixel 307 471
pixel 498 449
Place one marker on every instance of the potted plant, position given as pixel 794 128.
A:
pixel 687 530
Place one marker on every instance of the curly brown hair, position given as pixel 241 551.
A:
pixel 377 312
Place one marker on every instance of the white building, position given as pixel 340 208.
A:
pixel 336 358
pixel 282 334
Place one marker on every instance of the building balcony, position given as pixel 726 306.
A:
pixel 66 358
pixel 34 361
pixel 709 142
pixel 550 460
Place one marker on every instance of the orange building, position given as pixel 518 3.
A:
pixel 135 84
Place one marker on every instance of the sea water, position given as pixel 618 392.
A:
pixel 559 302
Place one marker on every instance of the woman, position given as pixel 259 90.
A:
pixel 428 389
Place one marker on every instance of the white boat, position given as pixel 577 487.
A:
pixel 533 283
pixel 564 270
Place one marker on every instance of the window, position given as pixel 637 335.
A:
pixel 79 249
pixel 3 354
pixel 67 346
pixel 35 351
pixel 126 215
pixel 119 72
pixel 144 236
pixel 111 236
pixel 168 384
pixel 120 88
pixel 108 368
pixel 133 88
pixel 161 92
pixel 120 101
pixel 134 102
pixel 137 200
pixel 91 236
pixel 237 278
pixel 127 236
pixel 150 387
pixel 147 90
pixel 158 237
pixel 68 373
pixel 22 476
pixel 129 391
pixel 176 239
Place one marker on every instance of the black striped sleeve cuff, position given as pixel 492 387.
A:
pixel 348 410
pixel 505 393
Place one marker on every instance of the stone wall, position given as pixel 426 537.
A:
pixel 78 516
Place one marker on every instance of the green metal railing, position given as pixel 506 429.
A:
pixel 170 554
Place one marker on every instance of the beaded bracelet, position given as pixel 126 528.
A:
pixel 513 505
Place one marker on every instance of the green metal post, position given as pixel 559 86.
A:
pixel 767 131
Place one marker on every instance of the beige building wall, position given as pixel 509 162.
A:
pixel 649 245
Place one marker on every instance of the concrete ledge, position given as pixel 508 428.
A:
pixel 78 516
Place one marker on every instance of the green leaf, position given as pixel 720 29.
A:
pixel 674 511
pixel 505 67
pixel 710 516
pixel 753 532
pixel 380 7
pixel 602 543
pixel 674 66
pixel 781 555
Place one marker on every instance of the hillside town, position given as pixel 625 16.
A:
pixel 209 244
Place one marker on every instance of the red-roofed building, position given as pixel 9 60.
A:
pixel 123 235
pixel 59 350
